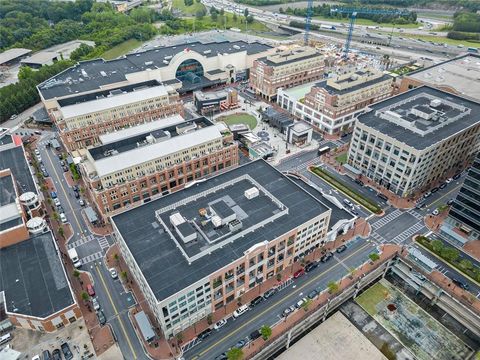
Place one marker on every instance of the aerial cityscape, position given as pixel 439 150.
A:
pixel 240 179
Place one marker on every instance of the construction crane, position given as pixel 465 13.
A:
pixel 308 21
pixel 353 16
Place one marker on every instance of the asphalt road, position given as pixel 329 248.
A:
pixel 113 299
pixel 269 311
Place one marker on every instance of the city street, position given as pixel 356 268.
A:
pixel 270 310
pixel 111 295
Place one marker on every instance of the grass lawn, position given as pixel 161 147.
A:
pixel 342 158
pixel 240 119
pixel 187 10
pixel 368 22
pixel 121 49
pixel 226 22
pixel 371 297
pixel 440 39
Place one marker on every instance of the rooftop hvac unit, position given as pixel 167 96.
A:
pixel 36 225
pixel 251 193
pixel 207 51
pixel 216 221
pixel 176 219
pixel 150 139
pixel 235 225
pixel 435 103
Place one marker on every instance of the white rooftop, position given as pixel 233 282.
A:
pixel 42 57
pixel 11 54
pixel 140 129
pixel 154 151
pixel 114 101
pixel 300 127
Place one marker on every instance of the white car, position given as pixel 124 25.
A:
pixel 96 305
pixel 63 218
pixel 57 202
pixel 240 311
pixel 113 273
pixel 348 202
pixel 219 324
pixel 435 212
pixel 37 152
pixel 449 180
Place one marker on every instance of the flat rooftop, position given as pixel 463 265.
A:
pixel 33 278
pixel 12 54
pixel 95 74
pixel 336 339
pixel 13 158
pixel 10 215
pixel 281 206
pixel 7 190
pixel 344 82
pixel 461 74
pixel 211 95
pixel 41 58
pixel 290 56
pixel 152 144
pixel 422 117
pixel 115 99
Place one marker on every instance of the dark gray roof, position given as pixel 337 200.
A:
pixel 438 133
pixel 163 265
pixel 333 91
pixel 14 159
pixel 32 277
pixel 287 61
pixel 222 209
pixel 7 191
pixel 97 73
pixel 10 223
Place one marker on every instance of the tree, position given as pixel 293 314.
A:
pixel 266 332
pixel 85 296
pixel 76 274
pixel 235 354
pixel 116 258
pixel 209 319
pixel 235 17
pixel 61 232
pixel 214 15
pixel 437 246
pixel 306 304
pixel 279 277
pixel 200 14
pixel 179 337
pixel 332 287
pixel 450 254
pixel 374 256
pixel 250 19
pixel 466 264
pixel 245 12
pixel 124 275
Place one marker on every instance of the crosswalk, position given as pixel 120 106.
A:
pixel 324 142
pixel 103 243
pixel 415 214
pixel 400 238
pixel 81 241
pixel 305 165
pixel 385 220
pixel 92 257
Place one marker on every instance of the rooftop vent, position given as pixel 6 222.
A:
pixel 435 103
pixel 150 139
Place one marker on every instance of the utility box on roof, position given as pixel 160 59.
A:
pixel 251 193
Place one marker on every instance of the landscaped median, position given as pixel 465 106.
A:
pixel 365 202
pixel 451 256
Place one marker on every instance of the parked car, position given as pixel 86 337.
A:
pixel 66 351
pixel 298 273
pixel 90 290
pixel 383 197
pixel 95 304
pixel 240 311
pixel 443 186
pixel 312 294
pixel 37 152
pixel 434 190
pixel 81 202
pixel 256 301
pixel 435 212
pixel 76 194
pixel 341 249
pixel 75 188
pixel 457 176
pixel 65 169
pixel 269 293
pixel 299 303
pixel 39 158
pixel 420 205
pixel 204 334
pixel 427 194
pixel 57 202
pixel 326 257
pixel 113 273
pixel 56 354
pixel 46 355
pixel 222 356
pixel 449 180
pixel 101 317
pixel 36 357
pixel 460 283
pixel 359 182
pixel 220 324
pixel 60 156
pixel 348 202
pixel 45 173
pixel 450 202
pixel 241 343
pixel 288 311
pixel 311 266
pixel 63 218
pixel 53 194
pixel 254 335
pixel 62 163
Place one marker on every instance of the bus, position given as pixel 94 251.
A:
pixel 323 150
pixel 472 50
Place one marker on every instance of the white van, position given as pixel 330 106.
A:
pixel 240 311
pixel 72 253
pixel 5 338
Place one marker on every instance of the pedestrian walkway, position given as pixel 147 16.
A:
pixel 92 257
pixel 385 219
pixel 81 241
pixel 415 214
pixel 103 242
pixel 408 233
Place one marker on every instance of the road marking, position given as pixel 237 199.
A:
pixel 441 197
pixel 64 192
pixel 292 294
pixel 116 311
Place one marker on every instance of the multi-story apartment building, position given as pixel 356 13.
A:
pixel 202 247
pixel 186 67
pixel 459 76
pixel 332 105
pixel 138 163
pixel 463 221
pixel 285 69
pixel 415 139
pixel 27 247
pixel 82 119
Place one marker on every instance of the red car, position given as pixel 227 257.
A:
pixel 90 290
pixel 298 273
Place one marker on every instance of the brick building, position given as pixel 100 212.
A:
pixel 202 247
pixel 331 105
pixel 285 69
pixel 82 119
pixel 137 164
